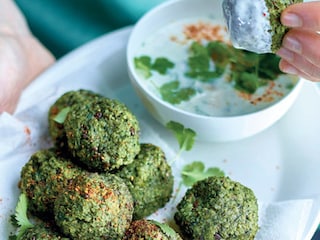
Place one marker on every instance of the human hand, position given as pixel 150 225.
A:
pixel 22 56
pixel 300 51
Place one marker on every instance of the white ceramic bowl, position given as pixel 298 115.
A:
pixel 207 128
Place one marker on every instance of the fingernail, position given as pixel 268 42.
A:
pixel 291 20
pixel 292 44
pixel 289 69
pixel 285 54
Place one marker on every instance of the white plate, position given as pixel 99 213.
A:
pixel 282 163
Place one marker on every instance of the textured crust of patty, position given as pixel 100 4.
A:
pixel 278 30
pixel 94 206
pixel 149 179
pixel 148 229
pixel 68 99
pixel 103 135
pixel 218 208
pixel 43 177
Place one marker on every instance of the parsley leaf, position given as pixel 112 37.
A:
pixel 61 116
pixel 195 171
pixel 21 219
pixel 185 136
pixel 170 92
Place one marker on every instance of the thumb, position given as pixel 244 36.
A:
pixel 303 15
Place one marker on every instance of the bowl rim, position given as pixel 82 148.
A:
pixel 135 78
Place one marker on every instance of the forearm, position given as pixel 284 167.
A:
pixel 22 57
pixel 12 21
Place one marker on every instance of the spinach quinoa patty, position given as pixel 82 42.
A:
pixel 94 206
pixel 150 180
pixel 218 208
pixel 59 109
pixel 150 229
pixel 102 134
pixel 43 177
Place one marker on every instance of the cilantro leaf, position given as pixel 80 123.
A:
pixel 246 82
pixel 161 65
pixel 143 64
pixel 61 116
pixel 269 66
pixel 185 136
pixel 199 63
pixel 170 92
pixel 220 54
pixel 195 171
pixel 20 216
pixel 167 230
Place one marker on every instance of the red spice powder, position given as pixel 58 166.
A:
pixel 27 131
pixel 268 96
pixel 204 31
pixel 201 31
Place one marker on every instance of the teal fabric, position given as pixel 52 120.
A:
pixel 63 25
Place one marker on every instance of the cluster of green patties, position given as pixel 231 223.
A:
pixel 100 182
pixel 98 179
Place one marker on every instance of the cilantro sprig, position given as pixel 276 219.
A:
pixel 185 136
pixel 196 171
pixel 172 92
pixel 20 218
pixel 145 65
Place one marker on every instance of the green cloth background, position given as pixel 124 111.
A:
pixel 63 25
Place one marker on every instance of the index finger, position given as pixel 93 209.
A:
pixel 303 15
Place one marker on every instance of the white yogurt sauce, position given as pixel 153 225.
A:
pixel 217 98
pixel 248 24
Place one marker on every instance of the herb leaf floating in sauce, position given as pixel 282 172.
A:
pixel 185 136
pixel 172 93
pixel 20 219
pixel 161 65
pixel 199 64
pixel 195 171
pixel 145 65
pixel 245 70
pixel 249 70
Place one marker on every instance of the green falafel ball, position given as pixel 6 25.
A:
pixel 218 208
pixel 103 135
pixel 149 179
pixel 94 206
pixel 41 231
pixel 63 103
pixel 43 177
pixel 150 229
pixel 278 30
